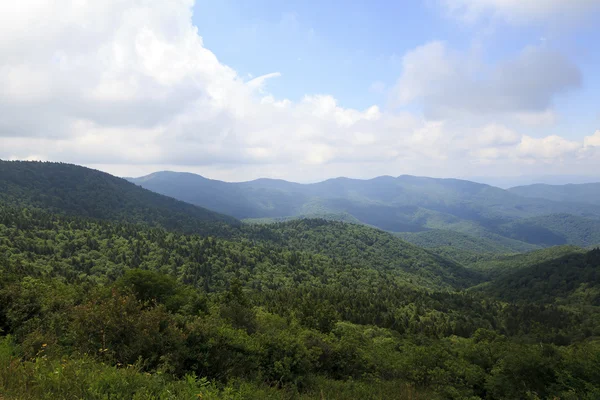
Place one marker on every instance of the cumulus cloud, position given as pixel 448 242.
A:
pixel 547 148
pixel 128 86
pixel 447 82
pixel 523 11
pixel 593 140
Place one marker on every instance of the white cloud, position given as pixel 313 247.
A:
pixel 128 86
pixel 447 82
pixel 547 148
pixel 540 118
pixel 593 140
pixel 259 82
pixel 497 135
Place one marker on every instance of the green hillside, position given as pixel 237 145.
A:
pixel 79 191
pixel 361 245
pixel 493 266
pixel 97 309
pixel 437 238
pixel 572 278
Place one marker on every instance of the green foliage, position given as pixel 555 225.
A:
pixel 445 239
pixel 357 244
pixel 309 308
pixel 493 266
pixel 575 275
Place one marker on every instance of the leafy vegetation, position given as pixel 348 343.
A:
pixel 574 277
pixel 99 303
pixel 272 317
pixel 493 266
pixel 437 238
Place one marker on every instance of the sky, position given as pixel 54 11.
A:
pixel 304 90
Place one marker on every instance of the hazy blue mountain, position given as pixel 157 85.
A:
pixel 398 204
pixel 262 198
pixel 506 182
pixel 588 193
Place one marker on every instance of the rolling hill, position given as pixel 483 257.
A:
pixel 566 278
pixel 437 238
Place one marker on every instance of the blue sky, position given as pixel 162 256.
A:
pixel 353 49
pixel 339 47
pixel 304 90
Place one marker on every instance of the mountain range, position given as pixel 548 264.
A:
pixel 108 289
pixel 513 220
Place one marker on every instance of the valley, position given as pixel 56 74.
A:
pixel 137 293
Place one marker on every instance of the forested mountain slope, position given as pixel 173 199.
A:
pixel 586 193
pixel 129 310
pixel 360 245
pixel 79 191
pixel 494 266
pixel 437 238
pixel 554 229
pixel 572 278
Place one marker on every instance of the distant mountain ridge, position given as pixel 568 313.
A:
pixel 397 204
pixel 585 193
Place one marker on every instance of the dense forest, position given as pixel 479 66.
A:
pixel 183 304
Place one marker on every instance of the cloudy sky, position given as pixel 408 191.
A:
pixel 303 89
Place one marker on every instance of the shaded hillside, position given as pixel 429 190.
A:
pixel 74 190
pixel 587 193
pixel 555 229
pixel 492 266
pixel 573 277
